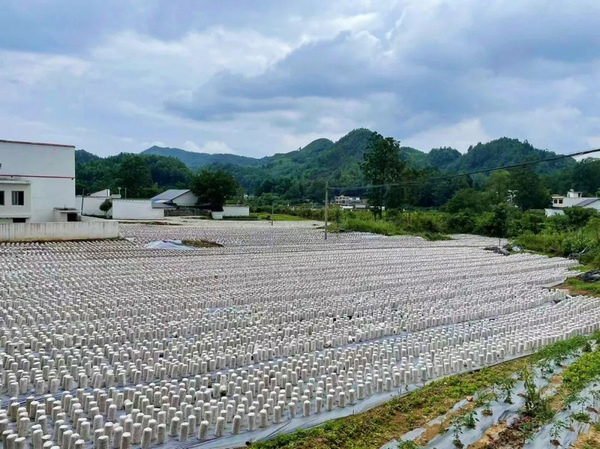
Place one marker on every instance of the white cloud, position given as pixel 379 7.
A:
pixel 265 78
pixel 459 135
pixel 212 147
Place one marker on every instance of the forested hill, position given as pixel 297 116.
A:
pixel 300 174
pixel 195 160
pixel 326 156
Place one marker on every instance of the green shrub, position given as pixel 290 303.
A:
pixel 460 223
pixel 375 227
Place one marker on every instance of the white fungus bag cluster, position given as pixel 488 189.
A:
pixel 112 345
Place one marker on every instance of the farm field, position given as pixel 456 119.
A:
pixel 260 330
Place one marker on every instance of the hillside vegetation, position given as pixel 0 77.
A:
pixel 299 176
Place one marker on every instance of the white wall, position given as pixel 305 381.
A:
pixel 236 211
pixel 135 210
pixel 50 169
pixel 82 230
pixel 553 212
pixel 187 199
pixel 91 205
pixel 9 211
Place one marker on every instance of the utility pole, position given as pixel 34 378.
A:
pixel 326 204
pixel 272 212
pixel 82 197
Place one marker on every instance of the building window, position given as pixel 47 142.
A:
pixel 560 201
pixel 1 197
pixel 18 198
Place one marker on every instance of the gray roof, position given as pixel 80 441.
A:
pixel 587 202
pixel 170 194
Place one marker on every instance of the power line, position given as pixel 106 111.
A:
pixel 485 170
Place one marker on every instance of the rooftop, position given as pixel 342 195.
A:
pixel 170 194
pixel 37 143
pixel 587 202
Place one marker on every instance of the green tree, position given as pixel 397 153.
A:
pixel 443 157
pixel 498 184
pixel 494 223
pixel 578 217
pixel 381 165
pixel 586 176
pixel 468 200
pixel 214 188
pixel 106 205
pixel 134 175
pixel 529 190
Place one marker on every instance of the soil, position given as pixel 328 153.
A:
pixel 489 436
pixel 201 243
pixel 574 291
pixel 431 431
pixel 590 440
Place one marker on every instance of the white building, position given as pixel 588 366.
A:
pixel 186 198
pixel 343 200
pixel 90 204
pixel 132 209
pixel 176 197
pixel 573 199
pixel 37 182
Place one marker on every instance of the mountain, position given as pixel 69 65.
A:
pixel 196 160
pixel 323 156
pixel 302 174
pixel 505 151
pixel 82 156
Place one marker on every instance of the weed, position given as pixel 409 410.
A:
pixel 407 445
pixel 485 400
pixel 583 371
pixel 457 424
pixel 470 420
pixel 595 398
pixel 535 406
pixel 556 431
pixel 581 417
pixel 506 386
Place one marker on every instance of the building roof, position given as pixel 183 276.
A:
pixel 38 143
pixel 170 195
pixel 586 202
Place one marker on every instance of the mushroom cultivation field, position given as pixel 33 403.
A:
pixel 111 344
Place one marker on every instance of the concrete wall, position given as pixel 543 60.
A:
pixel 236 211
pixel 135 210
pixel 91 205
pixel 84 230
pixel 50 170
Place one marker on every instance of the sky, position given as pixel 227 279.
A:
pixel 261 77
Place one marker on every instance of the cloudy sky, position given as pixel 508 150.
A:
pixel 266 76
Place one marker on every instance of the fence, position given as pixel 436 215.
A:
pixel 33 232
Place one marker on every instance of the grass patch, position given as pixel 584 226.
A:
pixel 581 268
pixel 578 287
pixel 199 243
pixel 282 217
pixel 267 217
pixel 388 228
pixel 583 371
